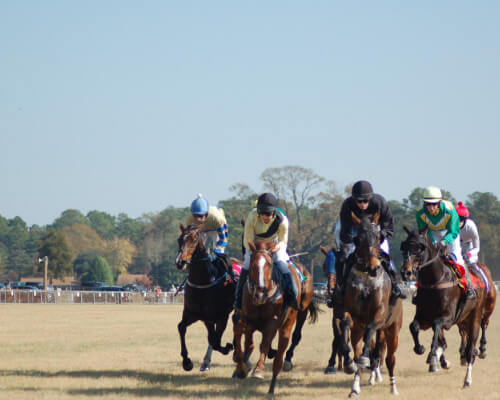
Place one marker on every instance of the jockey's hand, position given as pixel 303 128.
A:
pixel 342 255
pixel 441 247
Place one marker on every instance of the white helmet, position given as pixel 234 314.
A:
pixel 432 194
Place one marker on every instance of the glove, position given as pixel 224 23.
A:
pixel 211 257
pixel 441 247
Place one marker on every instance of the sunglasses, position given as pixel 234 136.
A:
pixel 364 201
pixel 432 204
pixel 200 215
pixel 267 214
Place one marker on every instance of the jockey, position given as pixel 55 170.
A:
pixel 267 221
pixel 441 219
pixel 214 227
pixel 469 235
pixel 364 202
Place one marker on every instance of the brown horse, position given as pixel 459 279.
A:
pixel 368 301
pixel 263 310
pixel 440 303
pixel 208 294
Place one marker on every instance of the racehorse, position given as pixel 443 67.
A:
pixel 375 315
pixel 440 303
pixel 208 294
pixel 263 310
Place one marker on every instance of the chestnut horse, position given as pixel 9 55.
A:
pixel 263 310
pixel 368 301
pixel 208 294
pixel 440 303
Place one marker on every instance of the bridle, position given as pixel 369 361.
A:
pixel 255 289
pixel 185 252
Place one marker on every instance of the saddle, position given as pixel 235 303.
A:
pixel 459 273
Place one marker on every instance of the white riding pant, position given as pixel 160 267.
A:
pixel 280 255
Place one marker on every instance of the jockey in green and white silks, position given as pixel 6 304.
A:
pixel 442 220
pixel 443 224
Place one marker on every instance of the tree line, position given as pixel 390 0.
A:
pixel 99 246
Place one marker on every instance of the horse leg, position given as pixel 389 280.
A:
pixel 296 337
pixel 205 365
pixel 187 320
pixel 220 327
pixel 414 330
pixel 349 364
pixel 437 326
pixel 482 342
pixel 240 371
pixel 265 345
pixel 445 364
pixel 284 338
pixel 470 349
pixel 330 369
pixel 364 359
pixel 356 336
pixel 463 341
pixel 392 341
pixel 375 357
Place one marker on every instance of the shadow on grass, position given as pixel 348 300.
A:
pixel 178 384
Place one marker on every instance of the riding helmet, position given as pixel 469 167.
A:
pixel 462 211
pixel 199 206
pixel 267 203
pixel 362 190
pixel 432 194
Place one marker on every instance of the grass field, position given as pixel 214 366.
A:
pixel 133 352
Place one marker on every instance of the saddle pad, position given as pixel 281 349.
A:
pixel 459 271
pixel 236 265
pixel 299 272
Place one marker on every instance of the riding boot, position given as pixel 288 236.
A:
pixel 338 290
pixel 398 289
pixel 290 292
pixel 239 288
pixel 469 291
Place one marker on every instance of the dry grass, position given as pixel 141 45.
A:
pixel 132 352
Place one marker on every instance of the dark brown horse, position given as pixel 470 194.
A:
pixel 368 301
pixel 263 310
pixel 440 303
pixel 208 294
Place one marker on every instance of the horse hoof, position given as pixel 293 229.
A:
pixel 226 349
pixel 205 367
pixel 239 374
pixel 353 395
pixel 187 364
pixel 330 370
pixel 466 385
pixel 420 349
pixel 463 362
pixel 433 368
pixel 350 368
pixel 445 364
pixel 482 355
pixel 363 362
pixel 287 366
pixel 258 374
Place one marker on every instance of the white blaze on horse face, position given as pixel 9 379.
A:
pixel 261 265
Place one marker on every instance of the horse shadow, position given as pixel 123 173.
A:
pixel 167 384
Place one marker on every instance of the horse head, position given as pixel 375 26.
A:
pixel 368 242
pixel 328 269
pixel 190 245
pixel 416 250
pixel 260 283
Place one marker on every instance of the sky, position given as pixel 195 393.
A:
pixel 131 107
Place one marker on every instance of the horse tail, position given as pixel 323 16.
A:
pixel 314 311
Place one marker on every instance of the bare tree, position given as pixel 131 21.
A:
pixel 293 184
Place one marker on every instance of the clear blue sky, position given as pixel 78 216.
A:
pixel 128 106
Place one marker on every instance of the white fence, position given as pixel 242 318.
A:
pixel 10 296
